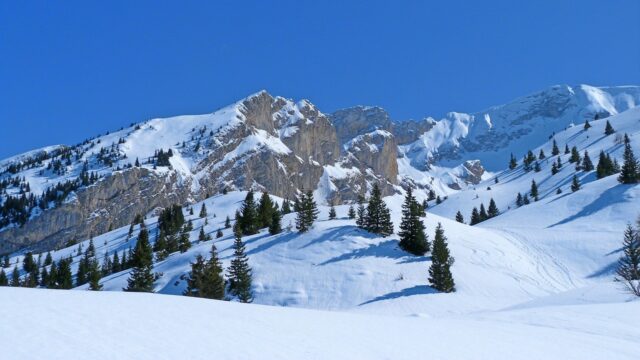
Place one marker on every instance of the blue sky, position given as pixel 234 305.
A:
pixel 74 69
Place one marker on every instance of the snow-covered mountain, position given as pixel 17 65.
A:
pixel 535 274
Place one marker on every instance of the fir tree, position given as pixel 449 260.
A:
pixel 513 163
pixel 141 278
pixel 352 212
pixel 64 277
pixel 587 164
pixel 276 223
pixel 202 236
pixel 629 173
pixel 440 276
pixel 4 281
pixel 541 156
pixel 459 217
pixel 555 151
pixel 493 209
pixel 559 191
pixel 628 270
pixel 184 243
pixel 483 213
pixel 240 272
pixel 525 199
pixel 378 218
pixel 115 263
pixel 360 220
pixel 15 277
pixel 536 167
pixel 605 166
pixel 575 155
pixel 227 222
pixel 332 212
pixel 94 274
pixel 554 168
pixel 265 209
pixel 205 279
pixel 519 200
pixel 412 237
pixel 608 129
pixel 308 212
pixel 475 217
pixel 559 163
pixel 248 221
pixel 587 125
pixel 534 190
pixel 203 211
pixel 219 234
pixel 575 184
pixel 6 262
pixel 286 207
pixel 48 259
pixel 28 264
pixel 566 149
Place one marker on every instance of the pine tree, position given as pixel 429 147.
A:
pixel 608 129
pixel 483 213
pixel 475 217
pixel 542 156
pixel 440 276
pixel 559 163
pixel 352 212
pixel 28 264
pixel 202 236
pixel 559 191
pixel 142 277
pixel 94 274
pixel 115 263
pixel 575 184
pixel 587 164
pixel 629 173
pixel 48 259
pixel 412 237
pixel 184 243
pixel 276 223
pixel 248 221
pixel 15 277
pixel 6 262
pixel 493 209
pixel 566 149
pixel 587 125
pixel 575 155
pixel 605 166
pixel 629 264
pixel 308 212
pixel 240 272
pixel 219 234
pixel 525 199
pixel 513 163
pixel 265 210
pixel 555 151
pixel 459 217
pixel 360 220
pixel 4 281
pixel 536 167
pixel 286 207
pixel 332 212
pixel 534 190
pixel 519 200
pixel 554 168
pixel 378 218
pixel 203 211
pixel 205 279
pixel 227 222
pixel 64 277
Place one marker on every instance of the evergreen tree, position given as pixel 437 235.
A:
pixel 352 212
pixel 332 212
pixel 64 277
pixel 48 259
pixel 4 281
pixel 412 237
pixel 629 173
pixel 202 236
pixel 587 164
pixel 227 223
pixel 608 129
pixel 575 155
pixel 587 125
pixel 219 234
pixel 240 272
pixel 94 274
pixel 629 264
pixel 483 213
pixel 459 217
pixel 559 163
pixel 248 221
pixel 536 167
pixel 115 263
pixel 142 277
pixel 265 209
pixel 475 217
pixel 559 191
pixel 28 264
pixel 6 262
pixel 513 163
pixel 605 166
pixel 15 277
pixel 378 218
pixel 440 276
pixel 493 209
pixel 276 223
pixel 566 149
pixel 542 156
pixel 519 200
pixel 360 220
pixel 554 168
pixel 203 211
pixel 534 190
pixel 205 279
pixel 184 243
pixel 575 184
pixel 286 207
pixel 525 199
pixel 308 212
pixel 555 151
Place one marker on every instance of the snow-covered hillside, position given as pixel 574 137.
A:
pixel 53 324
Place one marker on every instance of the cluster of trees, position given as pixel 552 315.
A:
pixel 254 216
pixel 478 216
pixel 162 158
pixel 376 217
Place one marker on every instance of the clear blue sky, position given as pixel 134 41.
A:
pixel 73 69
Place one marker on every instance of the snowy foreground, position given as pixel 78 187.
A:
pixel 53 324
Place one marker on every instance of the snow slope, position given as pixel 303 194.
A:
pixel 112 325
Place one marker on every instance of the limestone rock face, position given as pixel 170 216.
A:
pixel 359 120
pixel 110 203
